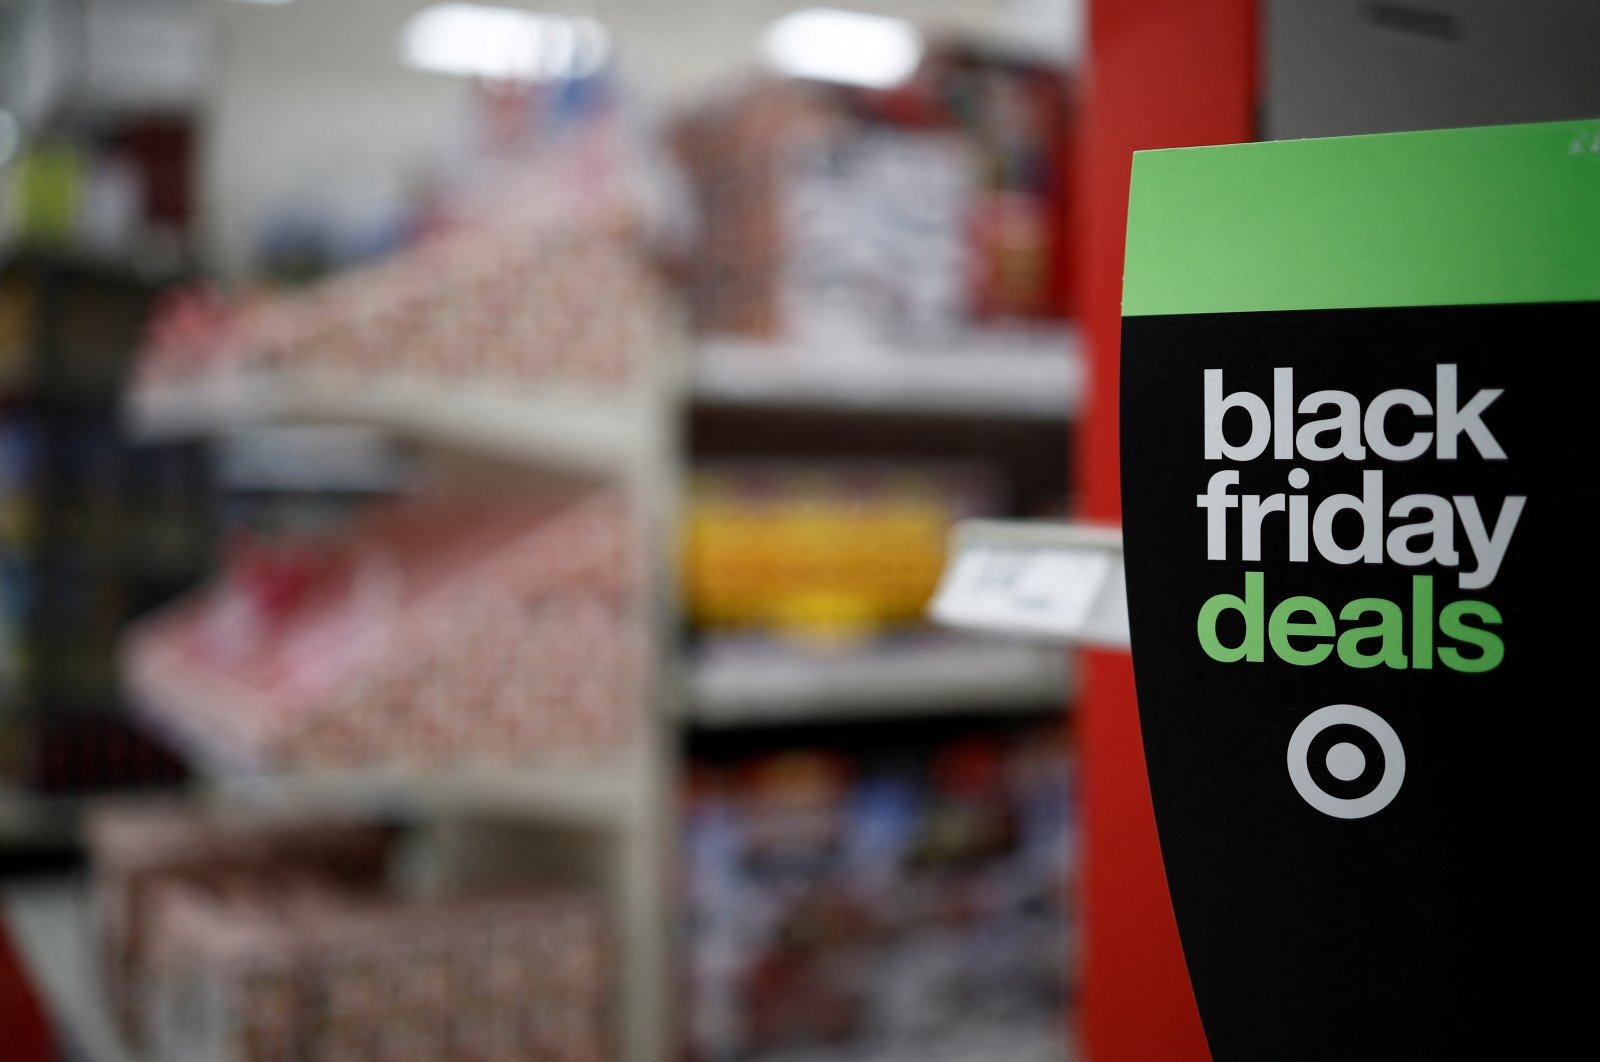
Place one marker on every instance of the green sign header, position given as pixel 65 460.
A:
pixel 1500 214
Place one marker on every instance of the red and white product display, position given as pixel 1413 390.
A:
pixel 560 294
pixel 255 944
pixel 139 851
pixel 322 977
pixel 449 628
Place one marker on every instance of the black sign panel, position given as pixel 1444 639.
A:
pixel 1359 575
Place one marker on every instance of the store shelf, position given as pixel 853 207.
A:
pixel 1062 582
pixel 566 430
pixel 570 431
pixel 601 792
pixel 1029 376
pixel 1022 1040
pixel 49 923
pixel 764 682
pixel 24 813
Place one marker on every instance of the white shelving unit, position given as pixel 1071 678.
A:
pixel 623 439
pixel 568 430
pixel 628 439
pixel 599 793
pixel 774 684
pixel 1028 375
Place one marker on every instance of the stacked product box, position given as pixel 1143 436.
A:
pixel 271 940
pixel 562 296
pixel 875 218
pixel 449 628
pixel 880 902
pixel 831 549
pixel 141 850
pixel 328 977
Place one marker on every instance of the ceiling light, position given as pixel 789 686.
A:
pixel 847 47
pixel 476 40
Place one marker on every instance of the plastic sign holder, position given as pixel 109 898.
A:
pixel 1058 582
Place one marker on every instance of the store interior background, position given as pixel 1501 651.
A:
pixel 465 541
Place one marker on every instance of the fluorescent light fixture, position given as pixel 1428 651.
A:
pixel 476 40
pixel 848 47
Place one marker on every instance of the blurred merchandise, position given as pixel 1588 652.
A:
pixel 341 979
pixel 98 106
pixel 551 289
pixel 486 556
pixel 16 323
pixel 516 261
pixel 107 191
pixel 875 904
pixel 257 939
pixel 487 640
pixel 17 516
pixel 880 287
pixel 824 551
pixel 93 531
pixel 47 183
pixel 446 627
pixel 485 308
pixel 881 219
pixel 141 849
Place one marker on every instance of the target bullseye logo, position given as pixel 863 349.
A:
pixel 1345 761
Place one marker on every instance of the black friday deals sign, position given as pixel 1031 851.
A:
pixel 1349 493
pixel 1430 530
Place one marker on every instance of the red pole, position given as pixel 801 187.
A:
pixel 1160 73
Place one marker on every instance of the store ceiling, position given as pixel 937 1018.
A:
pixel 311 104
pixel 676 47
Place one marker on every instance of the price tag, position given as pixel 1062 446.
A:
pixel 1029 591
